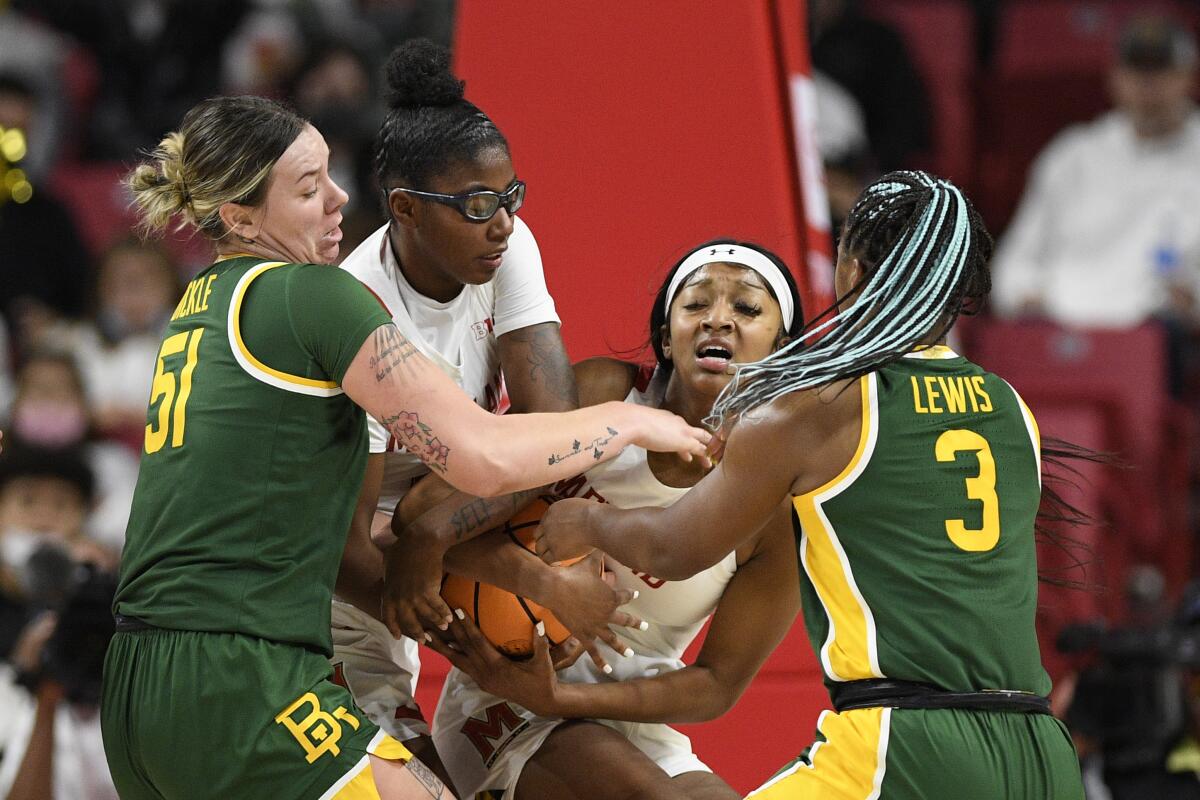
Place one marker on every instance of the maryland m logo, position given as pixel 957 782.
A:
pixel 486 733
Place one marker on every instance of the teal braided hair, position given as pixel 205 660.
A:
pixel 925 255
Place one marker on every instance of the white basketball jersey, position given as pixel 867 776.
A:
pixel 459 336
pixel 676 610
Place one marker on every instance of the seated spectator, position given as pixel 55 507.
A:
pixel 55 607
pixel 136 290
pixel 43 263
pixel 333 88
pixel 869 59
pixel 34 54
pixel 842 144
pixel 50 410
pixel 1107 234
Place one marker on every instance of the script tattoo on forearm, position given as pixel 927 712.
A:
pixel 424 775
pixel 595 447
pixel 418 439
pixel 392 350
pixel 548 362
pixel 485 513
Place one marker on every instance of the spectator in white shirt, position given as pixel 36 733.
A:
pixel 1108 234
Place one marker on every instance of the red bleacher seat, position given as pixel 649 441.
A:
pixel 93 193
pixel 102 209
pixel 1063 36
pixel 940 35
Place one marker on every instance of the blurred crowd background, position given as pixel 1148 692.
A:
pixel 1072 124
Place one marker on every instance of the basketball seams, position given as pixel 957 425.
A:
pixel 481 597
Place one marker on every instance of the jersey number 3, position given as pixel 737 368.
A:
pixel 174 397
pixel 982 488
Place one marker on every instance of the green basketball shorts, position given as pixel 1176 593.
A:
pixel 187 715
pixel 944 754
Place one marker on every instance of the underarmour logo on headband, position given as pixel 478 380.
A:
pixel 714 251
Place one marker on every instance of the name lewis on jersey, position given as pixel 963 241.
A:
pixel 957 394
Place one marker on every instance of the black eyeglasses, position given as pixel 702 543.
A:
pixel 477 206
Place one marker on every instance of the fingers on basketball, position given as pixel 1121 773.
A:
pixel 503 618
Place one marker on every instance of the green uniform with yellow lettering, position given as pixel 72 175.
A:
pixel 919 565
pixel 217 686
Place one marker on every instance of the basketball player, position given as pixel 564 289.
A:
pixel 461 277
pixel 522 731
pixel 215 683
pixel 914 478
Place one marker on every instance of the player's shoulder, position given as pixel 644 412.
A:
pixel 602 379
pixel 367 259
pixel 808 414
pixel 523 255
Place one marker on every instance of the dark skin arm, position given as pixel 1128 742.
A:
pixel 789 447
pixel 360 576
pixel 538 376
pixel 35 776
pixel 752 617
pixel 583 602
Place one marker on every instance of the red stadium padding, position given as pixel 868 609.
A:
pixel 634 150
pixel 771 725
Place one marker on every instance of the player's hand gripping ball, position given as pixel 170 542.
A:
pixel 506 619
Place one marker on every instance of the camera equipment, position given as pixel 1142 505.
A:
pixel 74 656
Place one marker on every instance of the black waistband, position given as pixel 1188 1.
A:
pixel 906 694
pixel 128 624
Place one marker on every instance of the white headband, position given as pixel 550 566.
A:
pixel 767 269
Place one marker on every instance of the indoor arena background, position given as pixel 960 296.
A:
pixel 640 129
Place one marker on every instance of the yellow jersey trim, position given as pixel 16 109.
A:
pixel 933 351
pixel 850 651
pixel 850 762
pixel 1035 433
pixel 228 256
pixel 256 368
pixel 384 746
pixel 357 784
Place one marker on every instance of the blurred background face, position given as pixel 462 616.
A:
pixel 1157 101
pixel 16 110
pixel 136 288
pixel 43 505
pixel 50 408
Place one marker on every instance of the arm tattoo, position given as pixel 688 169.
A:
pixel 484 513
pixel 418 439
pixel 424 775
pixel 547 361
pixel 595 446
pixel 392 350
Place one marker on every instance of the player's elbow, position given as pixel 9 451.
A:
pixel 489 473
pixel 718 698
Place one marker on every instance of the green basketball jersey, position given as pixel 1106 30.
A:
pixel 253 455
pixel 919 558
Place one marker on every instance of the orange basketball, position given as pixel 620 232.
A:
pixel 506 619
